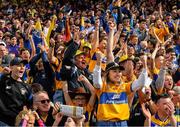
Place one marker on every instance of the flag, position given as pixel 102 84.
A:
pixel 38 26
pixel 52 26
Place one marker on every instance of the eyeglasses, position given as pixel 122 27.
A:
pixel 44 101
pixel 79 98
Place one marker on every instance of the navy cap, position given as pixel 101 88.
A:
pixel 87 21
pixel 168 14
pixel 17 61
pixel 113 65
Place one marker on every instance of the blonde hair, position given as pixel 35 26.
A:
pixel 19 117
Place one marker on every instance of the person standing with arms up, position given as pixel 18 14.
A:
pixel 113 109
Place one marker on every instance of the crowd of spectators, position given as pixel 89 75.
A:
pixel 118 59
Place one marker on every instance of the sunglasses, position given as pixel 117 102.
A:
pixel 79 98
pixel 44 101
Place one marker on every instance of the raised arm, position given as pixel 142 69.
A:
pixel 71 50
pixel 120 17
pixel 33 52
pixel 147 114
pixel 67 30
pixel 161 78
pixel 155 35
pixel 166 29
pixel 160 10
pixel 142 79
pixel 51 56
pixel 66 94
pixel 110 56
pixel 32 64
pixel 83 79
pixel 44 40
pixel 47 67
pixel 95 41
pixel 117 35
pixel 97 80
pixel 153 56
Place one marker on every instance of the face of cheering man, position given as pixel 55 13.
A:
pixel 42 102
pixel 80 61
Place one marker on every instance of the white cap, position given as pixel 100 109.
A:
pixel 2 43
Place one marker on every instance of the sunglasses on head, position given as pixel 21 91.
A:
pixel 44 101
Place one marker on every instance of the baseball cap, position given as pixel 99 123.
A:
pixel 112 66
pixel 78 52
pixel 17 61
pixel 168 14
pixel 2 43
pixel 88 45
pixel 79 91
pixel 125 58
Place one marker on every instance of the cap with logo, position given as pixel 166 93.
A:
pixel 112 66
pixel 17 61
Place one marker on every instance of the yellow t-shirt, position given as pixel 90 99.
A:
pixel 93 61
pixel 161 33
pixel 113 102
pixel 57 66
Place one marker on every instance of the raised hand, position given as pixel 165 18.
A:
pixel 82 78
pixel 36 115
pixel 144 60
pixel 6 70
pixel 77 35
pixel 25 116
pixel 97 23
pixel 119 3
pixel 146 112
pixel 25 113
pixel 170 109
pixel 56 108
pixel 58 117
pixel 112 25
pixel 80 121
pixel 99 57
pixel 120 27
pixel 65 86
pixel 30 37
pixel 42 48
pixel 52 42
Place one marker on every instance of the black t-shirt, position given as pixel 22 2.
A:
pixel 13 96
pixel 136 116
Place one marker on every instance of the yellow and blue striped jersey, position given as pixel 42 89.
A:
pixel 113 102
pixel 155 121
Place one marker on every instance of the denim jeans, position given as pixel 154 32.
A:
pixel 2 124
pixel 112 124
